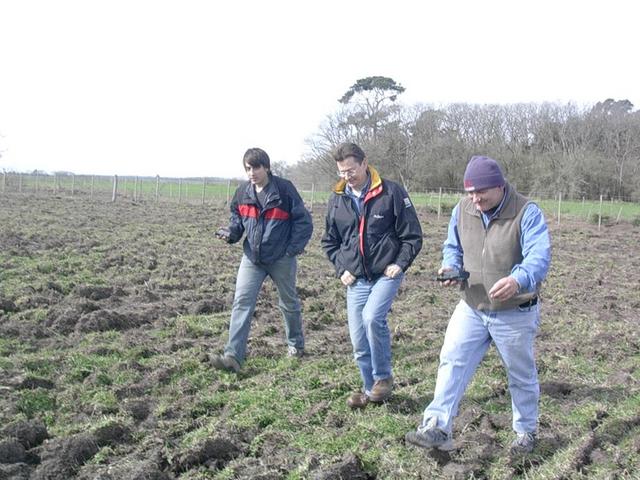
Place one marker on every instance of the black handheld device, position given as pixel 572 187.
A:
pixel 223 233
pixel 452 275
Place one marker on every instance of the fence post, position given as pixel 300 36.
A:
pixel 204 186
pixel 559 204
pixel 93 178
pixel 20 182
pixel 228 190
pixel 313 194
pixel 157 186
pixel 135 189
pixel 439 202
pixel 618 217
pixel 37 183
pixel 115 188
pixel 73 184
pixel 179 190
pixel 600 214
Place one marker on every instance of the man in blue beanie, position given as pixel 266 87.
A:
pixel 501 239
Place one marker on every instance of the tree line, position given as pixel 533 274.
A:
pixel 581 152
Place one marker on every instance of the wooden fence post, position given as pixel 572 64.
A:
pixel 179 190
pixel 204 186
pixel 157 186
pixel 115 188
pixel 73 184
pixel 20 182
pixel 228 191
pixel 37 183
pixel 135 189
pixel 439 202
pixel 313 193
pixel 600 214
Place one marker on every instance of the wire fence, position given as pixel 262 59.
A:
pixel 216 191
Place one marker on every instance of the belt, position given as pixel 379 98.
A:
pixel 530 303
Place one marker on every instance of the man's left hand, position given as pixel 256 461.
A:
pixel 392 270
pixel 504 289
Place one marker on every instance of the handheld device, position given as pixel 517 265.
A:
pixel 223 232
pixel 452 275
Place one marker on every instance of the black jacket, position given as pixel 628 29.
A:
pixel 281 227
pixel 388 231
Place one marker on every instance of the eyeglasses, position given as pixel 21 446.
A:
pixel 346 173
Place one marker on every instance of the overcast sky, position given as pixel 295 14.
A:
pixel 183 88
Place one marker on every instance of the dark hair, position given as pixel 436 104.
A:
pixel 256 157
pixel 346 150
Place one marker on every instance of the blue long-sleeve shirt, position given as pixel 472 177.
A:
pixel 534 241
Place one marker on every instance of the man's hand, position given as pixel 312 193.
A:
pixel 447 283
pixel 347 278
pixel 504 289
pixel 392 270
pixel 223 233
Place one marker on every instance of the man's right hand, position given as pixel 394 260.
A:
pixel 223 233
pixel 347 278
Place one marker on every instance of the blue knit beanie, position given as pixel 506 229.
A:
pixel 482 173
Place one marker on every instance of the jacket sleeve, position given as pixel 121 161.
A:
pixel 331 239
pixel 301 224
pixel 236 227
pixel 408 229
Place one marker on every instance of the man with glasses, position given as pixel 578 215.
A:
pixel 372 235
pixel 501 239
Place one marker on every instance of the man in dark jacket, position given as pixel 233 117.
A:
pixel 372 236
pixel 278 226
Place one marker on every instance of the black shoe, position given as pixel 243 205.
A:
pixel 524 443
pixel 430 436
pixel 225 362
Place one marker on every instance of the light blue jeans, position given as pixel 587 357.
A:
pixel 248 284
pixel 466 341
pixel 368 304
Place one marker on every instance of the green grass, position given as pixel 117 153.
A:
pixel 36 403
pixel 280 408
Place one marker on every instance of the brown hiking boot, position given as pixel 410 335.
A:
pixel 357 400
pixel 381 390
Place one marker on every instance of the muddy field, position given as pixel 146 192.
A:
pixel 108 313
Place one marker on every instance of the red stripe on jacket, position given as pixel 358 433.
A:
pixel 276 214
pixel 370 194
pixel 250 211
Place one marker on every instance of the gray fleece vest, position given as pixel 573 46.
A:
pixel 491 253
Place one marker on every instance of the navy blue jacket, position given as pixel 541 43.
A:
pixel 388 231
pixel 281 227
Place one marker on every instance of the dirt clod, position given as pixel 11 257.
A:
pixel 29 433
